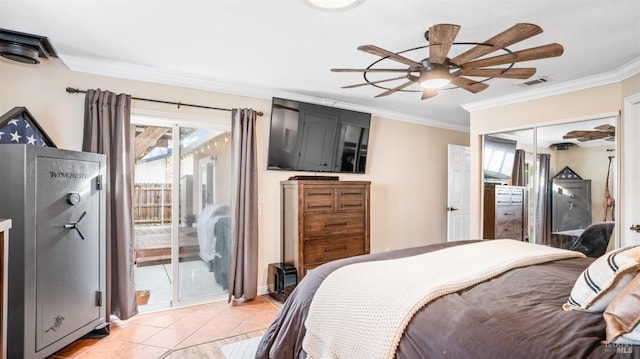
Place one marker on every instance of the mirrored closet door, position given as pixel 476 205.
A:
pixel 566 175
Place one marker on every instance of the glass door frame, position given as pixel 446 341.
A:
pixel 176 121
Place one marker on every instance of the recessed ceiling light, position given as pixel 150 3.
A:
pixel 333 4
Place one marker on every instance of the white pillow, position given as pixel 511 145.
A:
pixel 603 280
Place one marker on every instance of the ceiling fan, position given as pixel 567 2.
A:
pixel 602 132
pixel 437 71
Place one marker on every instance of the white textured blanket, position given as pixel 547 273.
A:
pixel 361 310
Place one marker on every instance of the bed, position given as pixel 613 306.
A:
pixel 516 314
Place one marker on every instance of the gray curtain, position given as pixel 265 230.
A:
pixel 543 206
pixel 243 264
pixel 106 130
pixel 517 175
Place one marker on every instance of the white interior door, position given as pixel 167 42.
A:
pixel 458 195
pixel 632 171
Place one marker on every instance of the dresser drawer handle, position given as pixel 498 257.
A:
pixel 341 248
pixel 337 224
pixel 351 193
pixel 351 205
pixel 319 206
pixel 318 194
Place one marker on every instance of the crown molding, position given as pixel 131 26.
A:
pixel 146 74
pixel 617 75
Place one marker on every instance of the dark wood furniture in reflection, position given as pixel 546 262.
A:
pixel 323 221
pixel 5 225
pixel 503 212
pixel 564 239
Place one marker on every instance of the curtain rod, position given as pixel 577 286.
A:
pixel 74 90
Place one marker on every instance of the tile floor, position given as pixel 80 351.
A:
pixel 153 335
pixel 195 282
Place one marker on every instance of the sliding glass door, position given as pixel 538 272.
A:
pixel 181 212
pixel 204 180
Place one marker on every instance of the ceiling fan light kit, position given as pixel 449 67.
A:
pixel 435 77
pixel 333 4
pixel 437 71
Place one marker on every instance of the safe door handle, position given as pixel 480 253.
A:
pixel 74 225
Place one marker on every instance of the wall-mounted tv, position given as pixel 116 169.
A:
pixel 316 138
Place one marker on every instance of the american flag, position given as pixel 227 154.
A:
pixel 20 131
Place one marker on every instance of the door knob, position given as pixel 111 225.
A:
pixel 635 228
pixel 451 209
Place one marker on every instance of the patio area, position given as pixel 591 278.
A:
pixel 152 244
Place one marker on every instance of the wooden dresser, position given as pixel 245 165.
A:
pixel 323 221
pixel 503 212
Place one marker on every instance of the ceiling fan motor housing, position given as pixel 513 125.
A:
pixel 24 48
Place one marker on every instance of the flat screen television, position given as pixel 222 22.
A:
pixel 316 138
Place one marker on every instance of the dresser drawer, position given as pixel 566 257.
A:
pixel 328 249
pixel 319 199
pixel 351 198
pixel 506 214
pixel 503 232
pixel 328 224
pixel 508 196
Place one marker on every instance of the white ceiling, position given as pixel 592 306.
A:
pixel 286 48
pixel 545 136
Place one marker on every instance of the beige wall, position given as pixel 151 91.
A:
pixel 568 107
pixel 407 162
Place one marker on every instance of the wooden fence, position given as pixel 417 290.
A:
pixel 152 203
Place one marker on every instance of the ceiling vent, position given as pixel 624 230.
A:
pixel 539 80
pixel 25 48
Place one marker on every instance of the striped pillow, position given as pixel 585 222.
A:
pixel 603 280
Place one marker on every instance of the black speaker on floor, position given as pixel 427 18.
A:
pixel 282 279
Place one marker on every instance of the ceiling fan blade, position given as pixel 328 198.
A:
pixel 468 84
pixel 372 49
pixel 605 127
pixel 428 93
pixel 441 38
pixel 574 134
pixel 374 70
pixel 398 88
pixel 373 82
pixel 516 33
pixel 512 73
pixel 535 53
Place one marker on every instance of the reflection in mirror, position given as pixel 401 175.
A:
pixel 508 184
pixel 577 191
pixel 567 180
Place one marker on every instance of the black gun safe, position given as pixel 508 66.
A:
pixel 56 277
